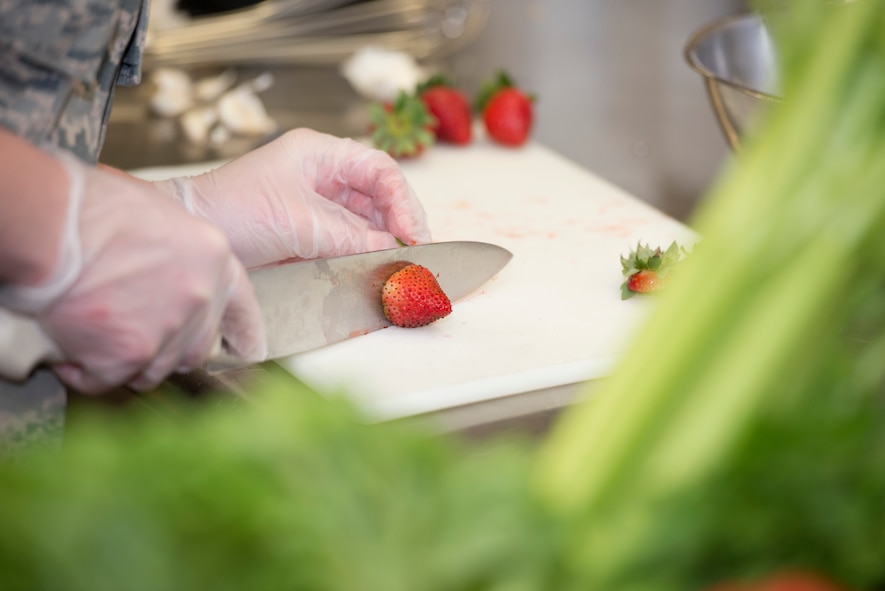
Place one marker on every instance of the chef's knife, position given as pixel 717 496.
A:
pixel 305 305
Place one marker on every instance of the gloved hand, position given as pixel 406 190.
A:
pixel 306 195
pixel 142 288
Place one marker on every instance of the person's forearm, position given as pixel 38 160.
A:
pixel 33 206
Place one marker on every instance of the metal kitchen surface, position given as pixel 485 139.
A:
pixel 615 94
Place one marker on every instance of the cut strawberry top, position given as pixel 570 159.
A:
pixel 402 128
pixel 645 269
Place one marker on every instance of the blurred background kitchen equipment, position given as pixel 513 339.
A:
pixel 294 31
pixel 737 60
pixel 615 94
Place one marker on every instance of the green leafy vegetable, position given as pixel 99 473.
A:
pixel 778 316
pixel 291 492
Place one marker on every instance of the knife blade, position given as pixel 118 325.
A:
pixel 310 304
pixel 306 304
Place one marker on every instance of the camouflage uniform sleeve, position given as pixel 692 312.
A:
pixel 59 62
pixel 130 70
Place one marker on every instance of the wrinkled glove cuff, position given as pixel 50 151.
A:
pixel 33 299
pixel 179 188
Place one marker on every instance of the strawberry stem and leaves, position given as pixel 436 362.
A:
pixel 651 262
pixel 434 80
pixel 501 80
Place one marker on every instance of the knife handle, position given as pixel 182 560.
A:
pixel 221 359
pixel 24 345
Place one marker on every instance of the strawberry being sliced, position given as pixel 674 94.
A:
pixel 412 297
pixel 646 269
pixel 507 111
pixel 450 107
pixel 402 128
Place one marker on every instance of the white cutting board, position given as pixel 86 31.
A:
pixel 553 316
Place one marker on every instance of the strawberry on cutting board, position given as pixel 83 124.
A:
pixel 646 269
pixel 401 128
pixel 450 108
pixel 412 297
pixel 507 111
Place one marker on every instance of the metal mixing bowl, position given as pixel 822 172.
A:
pixel 736 58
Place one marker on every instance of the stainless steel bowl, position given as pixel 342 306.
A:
pixel 737 60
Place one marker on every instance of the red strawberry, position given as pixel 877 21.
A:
pixel 402 128
pixel 412 297
pixel 507 111
pixel 796 580
pixel 644 281
pixel 450 108
pixel 646 269
pixel 788 580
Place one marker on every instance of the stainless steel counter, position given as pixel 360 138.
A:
pixel 305 96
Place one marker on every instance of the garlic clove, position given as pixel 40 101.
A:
pixel 380 74
pixel 244 113
pixel 173 92
pixel 197 122
pixel 209 89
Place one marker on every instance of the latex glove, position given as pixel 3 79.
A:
pixel 142 288
pixel 306 195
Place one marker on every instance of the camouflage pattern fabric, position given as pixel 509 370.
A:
pixel 32 414
pixel 59 62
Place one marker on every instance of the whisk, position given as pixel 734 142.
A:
pixel 317 32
